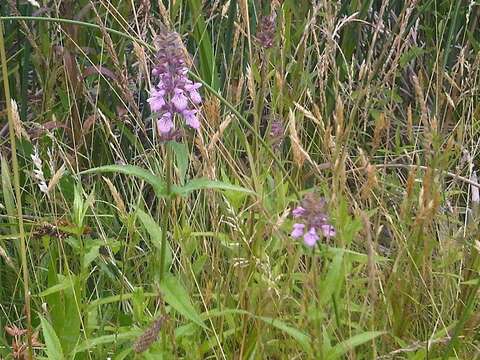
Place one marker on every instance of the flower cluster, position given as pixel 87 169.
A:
pixel 312 220
pixel 174 92
pixel 266 30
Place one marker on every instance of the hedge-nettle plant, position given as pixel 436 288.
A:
pixel 312 220
pixel 174 94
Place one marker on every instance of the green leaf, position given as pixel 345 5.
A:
pixel 333 281
pixel 202 183
pixel 342 348
pixel 302 339
pixel 54 349
pixel 158 184
pixel 177 297
pixel 181 157
pixel 66 283
pixel 107 339
pixel 152 228
pixel 411 54
pixel 123 354
pixel 115 298
pixel 90 256
pixel 208 71
pixel 7 191
pixel 155 232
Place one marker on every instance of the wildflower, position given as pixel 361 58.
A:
pixel 298 230
pixel 174 93
pixel 266 31
pixel 312 220
pixel 310 238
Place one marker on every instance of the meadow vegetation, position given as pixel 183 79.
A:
pixel 321 203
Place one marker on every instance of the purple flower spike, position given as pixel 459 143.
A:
pixel 311 237
pixel 298 230
pixel 174 93
pixel 312 214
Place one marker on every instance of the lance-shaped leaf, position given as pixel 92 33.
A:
pixel 156 182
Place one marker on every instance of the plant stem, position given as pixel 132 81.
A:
pixel 18 195
pixel 166 211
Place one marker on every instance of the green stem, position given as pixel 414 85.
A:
pixel 18 195
pixel 166 211
pixel 196 77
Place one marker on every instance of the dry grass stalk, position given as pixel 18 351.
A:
pixel 17 123
pixel 55 178
pixel 421 101
pixel 382 124
pixel 116 197
pixel 299 154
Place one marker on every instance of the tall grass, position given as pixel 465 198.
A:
pixel 377 103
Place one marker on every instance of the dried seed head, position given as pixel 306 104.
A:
pixel 299 154
pixel 17 123
pixel 150 335
pixel 15 331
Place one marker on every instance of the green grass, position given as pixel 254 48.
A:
pixel 380 105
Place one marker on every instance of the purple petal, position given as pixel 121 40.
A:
pixel 165 123
pixel 192 86
pixel 192 90
pixel 191 118
pixel 298 211
pixel 156 99
pixel 311 237
pixel 180 101
pixel 298 230
pixel 328 230
pixel 195 97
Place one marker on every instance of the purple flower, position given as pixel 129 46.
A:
pixel 298 230
pixel 165 123
pixel 312 215
pixel 174 93
pixel 179 100
pixel 328 230
pixel 156 99
pixel 311 237
pixel 193 91
pixel 191 118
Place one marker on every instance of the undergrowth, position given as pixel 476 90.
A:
pixel 117 244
